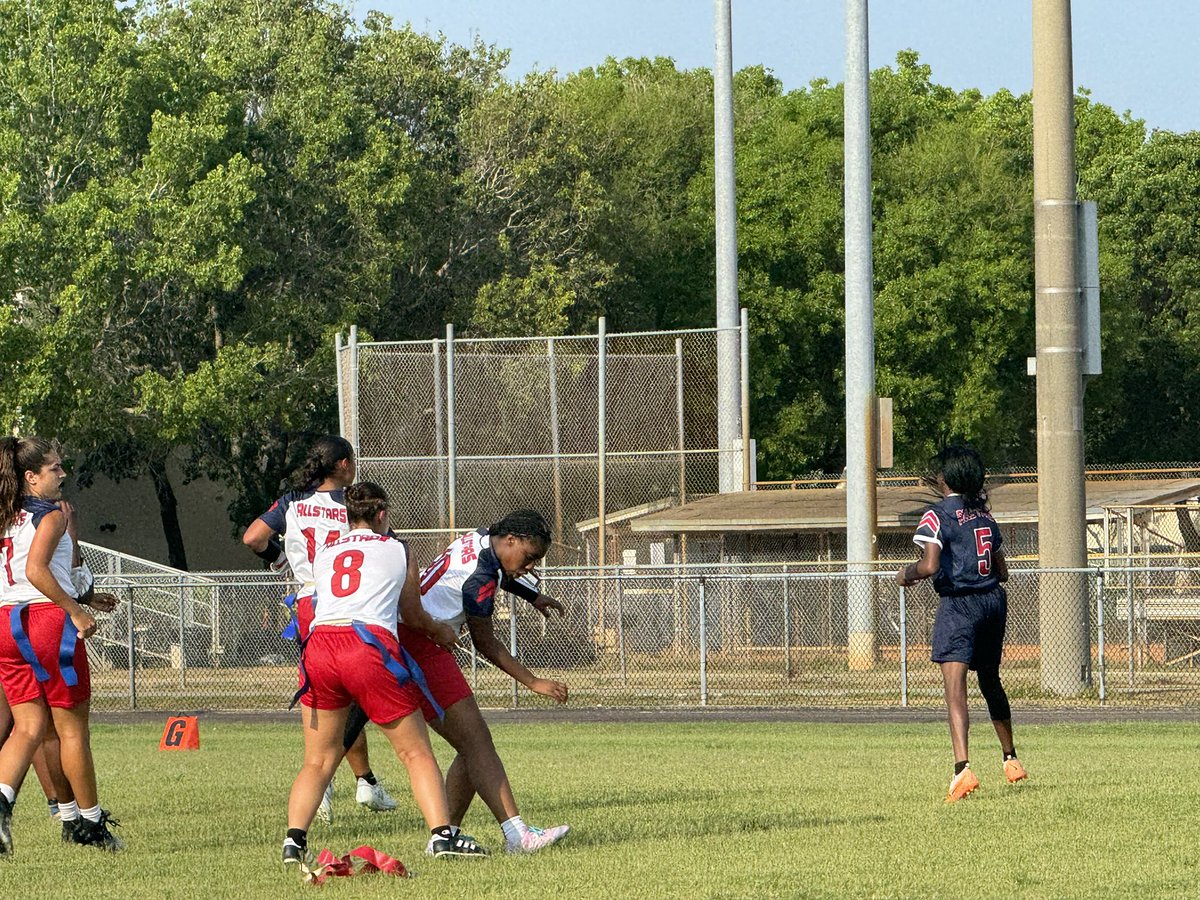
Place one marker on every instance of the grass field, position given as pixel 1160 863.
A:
pixel 678 810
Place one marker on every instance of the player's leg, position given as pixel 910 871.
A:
pixel 954 683
pixel 478 768
pixel 78 765
pixel 368 791
pixel 990 648
pixel 29 723
pixel 47 764
pixel 323 750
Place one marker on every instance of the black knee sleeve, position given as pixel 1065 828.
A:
pixel 355 723
pixel 993 693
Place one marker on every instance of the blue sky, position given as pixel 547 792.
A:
pixel 1135 55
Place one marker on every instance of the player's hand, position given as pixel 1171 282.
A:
pixel 544 604
pixel 444 636
pixel 547 688
pixel 901 580
pixel 84 624
pixel 280 566
pixel 102 602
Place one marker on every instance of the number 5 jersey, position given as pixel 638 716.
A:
pixel 968 536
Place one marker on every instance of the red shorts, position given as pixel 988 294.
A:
pixel 304 615
pixel 444 677
pixel 343 669
pixel 43 623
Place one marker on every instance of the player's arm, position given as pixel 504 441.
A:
pixel 413 614
pixel 261 538
pixel 483 635
pixel 543 603
pixel 37 570
pixel 925 567
pixel 1000 564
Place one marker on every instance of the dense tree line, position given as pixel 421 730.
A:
pixel 196 196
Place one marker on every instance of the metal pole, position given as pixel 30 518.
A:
pixel 352 431
pixel 1100 630
pixel 1062 527
pixel 601 444
pixel 555 447
pixel 182 638
pixel 679 420
pixel 903 648
pixel 703 647
pixel 451 450
pixel 132 658
pixel 787 626
pixel 621 628
pixel 860 345
pixel 744 368
pixel 728 406
pixel 439 435
pixel 1129 587
pixel 341 388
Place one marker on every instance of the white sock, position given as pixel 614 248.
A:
pixel 68 811
pixel 9 794
pixel 92 814
pixel 513 829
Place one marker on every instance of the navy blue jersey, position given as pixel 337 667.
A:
pixel 969 538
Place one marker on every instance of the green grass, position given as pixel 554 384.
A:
pixel 680 810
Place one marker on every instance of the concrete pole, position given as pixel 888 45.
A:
pixel 860 345
pixel 729 424
pixel 1062 528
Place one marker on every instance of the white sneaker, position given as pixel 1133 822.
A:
pixel 374 796
pixel 535 839
pixel 325 810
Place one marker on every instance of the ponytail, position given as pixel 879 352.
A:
pixel 18 456
pixel 962 469
pixel 322 460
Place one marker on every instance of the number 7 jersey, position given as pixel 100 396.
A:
pixel 308 520
pixel 969 538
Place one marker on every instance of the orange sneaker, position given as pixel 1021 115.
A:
pixel 963 784
pixel 1014 771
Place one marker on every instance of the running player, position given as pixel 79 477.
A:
pixel 310 517
pixel 352 656
pixel 43 662
pixel 460 589
pixel 962 551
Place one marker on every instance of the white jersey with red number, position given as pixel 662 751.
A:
pixel 463 580
pixel 14 554
pixel 358 578
pixel 308 520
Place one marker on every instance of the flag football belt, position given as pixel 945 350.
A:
pixel 403 672
pixel 66 648
pixel 291 631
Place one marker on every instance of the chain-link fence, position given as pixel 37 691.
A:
pixel 462 431
pixel 679 636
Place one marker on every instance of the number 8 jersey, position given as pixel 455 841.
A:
pixel 359 578
pixel 969 538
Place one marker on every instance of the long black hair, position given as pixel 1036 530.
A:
pixel 962 469
pixel 18 456
pixel 321 462
pixel 524 523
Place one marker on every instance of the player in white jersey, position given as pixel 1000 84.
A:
pixel 308 518
pixel 459 588
pixel 43 663
pixel 352 656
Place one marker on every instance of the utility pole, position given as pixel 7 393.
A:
pixel 729 416
pixel 1062 526
pixel 860 345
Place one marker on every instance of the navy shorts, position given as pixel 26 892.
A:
pixel 970 629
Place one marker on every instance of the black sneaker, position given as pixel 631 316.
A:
pixel 96 834
pixel 460 845
pixel 293 853
pixel 6 842
pixel 68 826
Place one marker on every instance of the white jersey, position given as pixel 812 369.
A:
pixel 308 520
pixel 463 581
pixel 18 537
pixel 359 578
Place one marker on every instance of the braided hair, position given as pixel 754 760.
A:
pixel 962 469
pixel 523 523
pixel 364 501
pixel 18 456
pixel 322 460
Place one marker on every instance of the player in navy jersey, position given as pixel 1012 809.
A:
pixel 362 581
pixel 962 550
pixel 43 663
pixel 310 517
pixel 460 589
